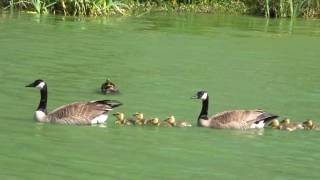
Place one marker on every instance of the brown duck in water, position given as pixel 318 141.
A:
pixel 109 87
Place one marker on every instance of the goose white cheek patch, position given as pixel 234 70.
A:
pixel 204 96
pixel 41 85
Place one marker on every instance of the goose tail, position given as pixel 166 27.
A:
pixel 111 103
pixel 106 105
pixel 262 120
pixel 266 117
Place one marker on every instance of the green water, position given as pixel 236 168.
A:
pixel 159 61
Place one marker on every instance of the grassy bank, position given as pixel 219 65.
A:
pixel 285 8
pixel 268 8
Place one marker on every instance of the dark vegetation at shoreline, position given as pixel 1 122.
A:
pixel 268 8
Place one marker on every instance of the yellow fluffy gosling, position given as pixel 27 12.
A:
pixel 275 124
pixel 153 122
pixel 171 120
pixel 120 119
pixel 309 125
pixel 139 119
pixel 286 125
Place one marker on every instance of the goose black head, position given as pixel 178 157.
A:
pixel 39 83
pixel 203 95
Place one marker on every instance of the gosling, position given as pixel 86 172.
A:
pixel 139 119
pixel 275 124
pixel 309 125
pixel 121 120
pixel 153 122
pixel 286 125
pixel 171 120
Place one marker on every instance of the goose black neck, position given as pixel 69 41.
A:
pixel 204 111
pixel 43 100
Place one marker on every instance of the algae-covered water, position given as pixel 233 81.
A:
pixel 159 62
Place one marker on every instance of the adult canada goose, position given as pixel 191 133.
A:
pixel 171 120
pixel 79 113
pixel 236 119
pixel 109 87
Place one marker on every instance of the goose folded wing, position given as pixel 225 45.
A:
pixel 78 113
pixel 235 118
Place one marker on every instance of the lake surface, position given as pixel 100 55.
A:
pixel 159 62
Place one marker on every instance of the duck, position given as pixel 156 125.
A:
pixel 286 125
pixel 139 118
pixel 109 87
pixel 77 113
pixel 121 120
pixel 309 125
pixel 234 119
pixel 171 120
